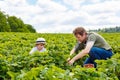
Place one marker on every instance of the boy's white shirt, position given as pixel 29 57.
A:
pixel 35 49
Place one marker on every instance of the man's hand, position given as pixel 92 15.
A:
pixel 68 59
pixel 70 62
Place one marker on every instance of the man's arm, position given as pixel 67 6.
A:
pixel 71 52
pixel 84 52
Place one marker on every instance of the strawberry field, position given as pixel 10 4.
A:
pixel 17 64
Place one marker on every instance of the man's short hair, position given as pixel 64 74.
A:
pixel 79 30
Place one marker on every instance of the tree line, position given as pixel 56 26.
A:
pixel 13 24
pixel 111 30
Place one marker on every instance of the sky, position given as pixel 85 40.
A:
pixel 62 16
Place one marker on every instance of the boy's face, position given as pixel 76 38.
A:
pixel 40 46
pixel 81 38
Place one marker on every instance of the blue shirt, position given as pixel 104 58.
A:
pixel 35 49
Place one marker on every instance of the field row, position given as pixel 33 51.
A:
pixel 17 64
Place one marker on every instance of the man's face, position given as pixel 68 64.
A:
pixel 81 38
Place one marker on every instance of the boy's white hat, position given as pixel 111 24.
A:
pixel 40 40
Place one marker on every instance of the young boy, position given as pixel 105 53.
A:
pixel 40 42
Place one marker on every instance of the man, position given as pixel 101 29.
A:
pixel 92 44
